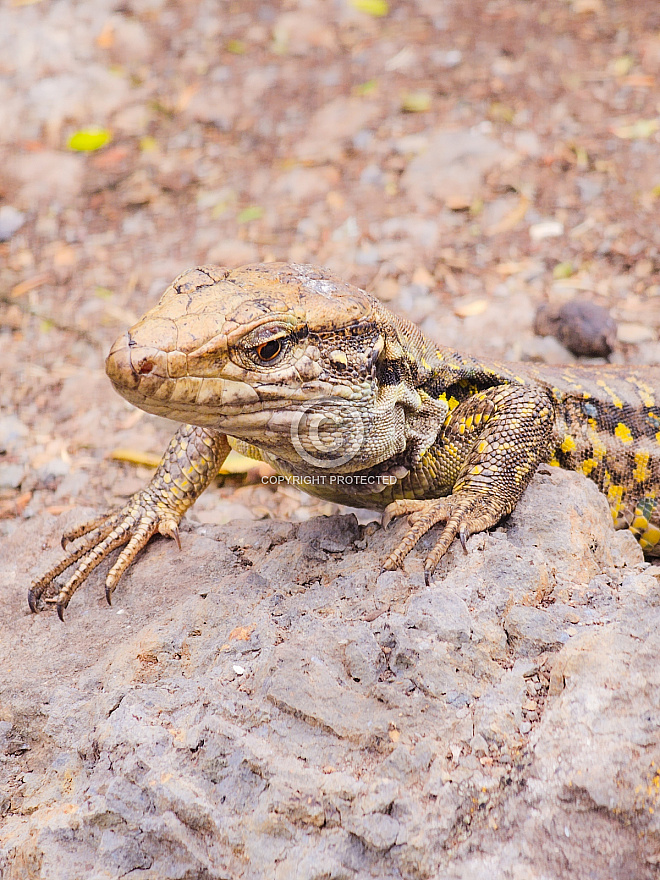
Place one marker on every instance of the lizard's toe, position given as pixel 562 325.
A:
pixel 426 515
pixel 401 508
pixel 463 515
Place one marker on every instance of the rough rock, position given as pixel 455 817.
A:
pixel 267 703
pixel 583 327
pixel 271 705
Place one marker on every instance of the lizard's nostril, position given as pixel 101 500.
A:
pixel 118 363
pixel 146 367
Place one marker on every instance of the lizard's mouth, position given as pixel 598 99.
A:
pixel 158 382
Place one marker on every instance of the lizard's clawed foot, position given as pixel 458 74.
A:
pixel 463 515
pixel 134 525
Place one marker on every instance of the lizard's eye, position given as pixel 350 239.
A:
pixel 267 346
pixel 268 351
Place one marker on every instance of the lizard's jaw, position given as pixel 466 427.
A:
pixel 158 382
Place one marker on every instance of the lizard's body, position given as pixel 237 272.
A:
pixel 292 366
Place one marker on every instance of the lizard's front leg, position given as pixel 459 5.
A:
pixel 495 440
pixel 191 461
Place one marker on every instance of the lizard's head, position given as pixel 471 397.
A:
pixel 254 352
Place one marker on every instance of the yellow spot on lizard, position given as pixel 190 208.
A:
pixel 646 393
pixel 588 465
pixel 623 433
pixel 641 471
pixel 616 400
pixel 614 497
pixel 599 448
pixel 639 525
pixel 650 537
pixel 569 444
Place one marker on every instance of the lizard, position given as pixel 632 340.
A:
pixel 294 367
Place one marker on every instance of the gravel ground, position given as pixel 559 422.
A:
pixel 528 173
pixel 466 162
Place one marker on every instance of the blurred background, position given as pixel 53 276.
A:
pixel 468 162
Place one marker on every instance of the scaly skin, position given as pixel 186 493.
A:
pixel 292 366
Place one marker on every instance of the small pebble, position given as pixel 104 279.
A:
pixel 11 221
pixel 584 328
pixel 633 334
pixel 238 669
pixel 546 229
pixel 448 58
pixel 11 476
pixel 478 745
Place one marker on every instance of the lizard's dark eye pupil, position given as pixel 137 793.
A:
pixel 269 350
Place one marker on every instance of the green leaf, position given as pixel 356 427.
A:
pixel 563 270
pixel 236 47
pixel 376 8
pixel 254 212
pixel 86 140
pixel 366 88
pixel 148 144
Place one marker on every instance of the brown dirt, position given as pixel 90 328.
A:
pixel 256 131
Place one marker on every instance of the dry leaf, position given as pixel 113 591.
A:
pixel 29 284
pixel 512 219
pixel 470 309
pixel 135 456
pixel 416 102
pixel 638 130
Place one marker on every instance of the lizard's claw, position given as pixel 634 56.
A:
pixel 463 515
pixel 191 461
pixel 134 525
pixel 169 528
pixel 401 508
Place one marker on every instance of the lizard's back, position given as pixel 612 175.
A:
pixel 607 426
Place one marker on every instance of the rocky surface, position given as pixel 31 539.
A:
pixel 266 704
